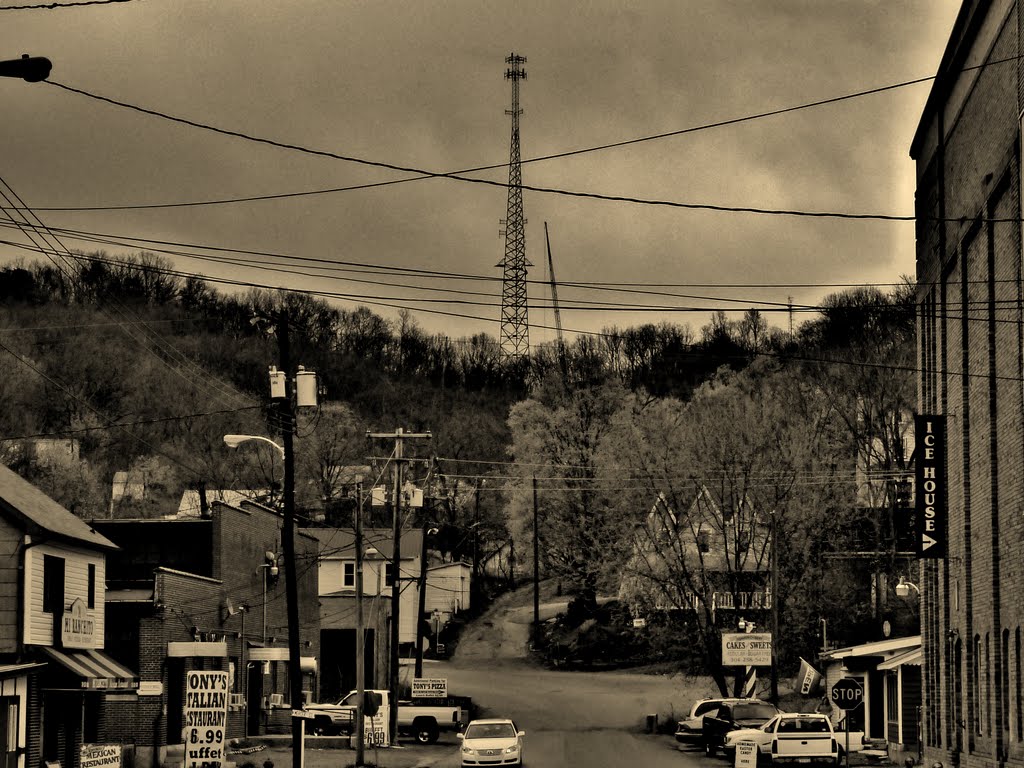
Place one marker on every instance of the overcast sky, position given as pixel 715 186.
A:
pixel 421 85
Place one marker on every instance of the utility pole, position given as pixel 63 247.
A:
pixel 475 587
pixel 536 560
pixel 421 600
pixel 399 436
pixel 360 639
pixel 774 695
pixel 286 413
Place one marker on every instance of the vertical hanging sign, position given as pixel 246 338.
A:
pixel 206 714
pixel 930 485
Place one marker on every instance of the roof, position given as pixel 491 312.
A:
pixel 37 513
pixel 872 649
pixel 911 657
pixel 339 543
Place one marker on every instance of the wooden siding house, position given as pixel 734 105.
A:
pixel 54 675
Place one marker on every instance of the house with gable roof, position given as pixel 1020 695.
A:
pixel 712 559
pixel 55 677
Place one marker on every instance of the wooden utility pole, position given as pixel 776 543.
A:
pixel 774 695
pixel 286 412
pixel 399 436
pixel 360 731
pixel 536 557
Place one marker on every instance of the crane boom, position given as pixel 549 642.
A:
pixel 554 303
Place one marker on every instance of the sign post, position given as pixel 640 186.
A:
pixel 847 694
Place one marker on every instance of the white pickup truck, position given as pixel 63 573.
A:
pixel 792 738
pixel 423 721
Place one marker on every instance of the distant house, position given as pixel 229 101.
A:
pixel 336 575
pixel 714 558
pixel 448 592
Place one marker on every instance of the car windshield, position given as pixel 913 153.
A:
pixel 490 731
pixel 809 725
pixel 753 711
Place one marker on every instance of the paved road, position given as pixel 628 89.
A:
pixel 585 719
pixel 574 718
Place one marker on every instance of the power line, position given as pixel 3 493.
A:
pixel 421 175
pixel 487 182
pixel 54 6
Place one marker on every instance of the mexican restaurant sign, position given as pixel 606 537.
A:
pixel 930 486
pixel 78 629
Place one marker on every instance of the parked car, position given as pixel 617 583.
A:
pixel 791 737
pixel 689 729
pixel 425 722
pixel 492 742
pixel 732 716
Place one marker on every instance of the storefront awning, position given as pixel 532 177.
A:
pixel 94 669
pixel 912 658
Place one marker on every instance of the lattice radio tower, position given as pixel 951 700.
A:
pixel 515 329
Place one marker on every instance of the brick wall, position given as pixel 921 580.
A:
pixel 969 276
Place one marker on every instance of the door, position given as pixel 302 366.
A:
pixel 253 698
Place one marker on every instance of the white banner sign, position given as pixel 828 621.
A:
pixel 375 729
pixel 100 756
pixel 749 649
pixel 746 755
pixel 206 714
pixel 429 686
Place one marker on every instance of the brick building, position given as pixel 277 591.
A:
pixel 206 593
pixel 967 149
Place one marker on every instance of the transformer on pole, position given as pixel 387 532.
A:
pixel 515 329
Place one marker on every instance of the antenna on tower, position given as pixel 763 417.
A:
pixel 515 329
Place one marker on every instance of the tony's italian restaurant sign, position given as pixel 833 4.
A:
pixel 206 716
pixel 930 485
pixel 78 629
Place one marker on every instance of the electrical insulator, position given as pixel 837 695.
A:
pixel 305 388
pixel 277 388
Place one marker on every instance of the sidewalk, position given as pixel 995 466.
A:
pixel 333 752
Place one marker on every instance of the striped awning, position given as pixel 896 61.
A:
pixel 95 670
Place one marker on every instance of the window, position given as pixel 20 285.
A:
pixel 703 541
pixel 389 575
pixel 92 585
pixel 8 731
pixel 53 584
pixel 348 579
pixel 1016 671
pixel 976 684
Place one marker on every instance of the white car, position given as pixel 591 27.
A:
pixel 492 742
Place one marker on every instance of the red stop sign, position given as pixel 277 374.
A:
pixel 847 694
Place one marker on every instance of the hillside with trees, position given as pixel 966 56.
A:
pixel 128 366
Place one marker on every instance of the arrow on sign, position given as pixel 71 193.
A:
pixel 927 541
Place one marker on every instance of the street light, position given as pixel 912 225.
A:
pixel 32 69
pixel 903 588
pixel 233 441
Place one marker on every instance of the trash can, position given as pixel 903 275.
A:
pixel 652 723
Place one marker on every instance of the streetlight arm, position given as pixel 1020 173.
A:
pixel 233 441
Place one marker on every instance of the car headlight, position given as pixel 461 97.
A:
pixel 513 748
pixel 467 750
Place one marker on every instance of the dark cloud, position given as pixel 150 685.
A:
pixel 421 84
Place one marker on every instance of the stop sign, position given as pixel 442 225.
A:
pixel 847 694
